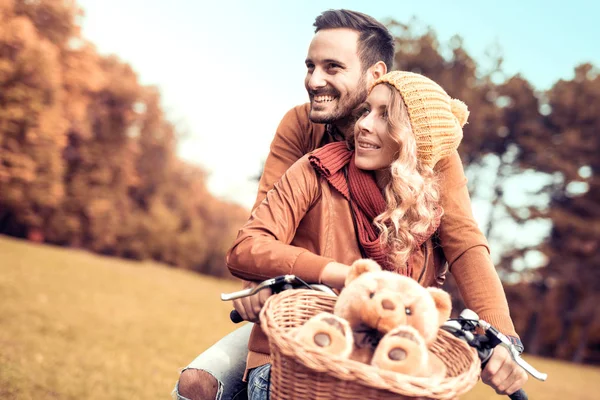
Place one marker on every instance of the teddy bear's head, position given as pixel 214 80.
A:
pixel 382 300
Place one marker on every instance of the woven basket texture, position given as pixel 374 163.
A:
pixel 301 373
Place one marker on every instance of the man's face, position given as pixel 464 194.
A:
pixel 334 79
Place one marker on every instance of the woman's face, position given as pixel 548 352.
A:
pixel 374 146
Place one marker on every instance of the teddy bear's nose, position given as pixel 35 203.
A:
pixel 387 304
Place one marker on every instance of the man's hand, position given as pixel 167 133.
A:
pixel 502 373
pixel 249 307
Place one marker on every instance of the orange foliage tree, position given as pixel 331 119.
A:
pixel 33 126
pixel 87 158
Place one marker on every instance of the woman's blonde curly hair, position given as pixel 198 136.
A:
pixel 412 192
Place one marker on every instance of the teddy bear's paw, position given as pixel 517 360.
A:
pixel 402 350
pixel 328 333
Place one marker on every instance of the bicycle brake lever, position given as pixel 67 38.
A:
pixel 512 350
pixel 530 369
pixel 250 291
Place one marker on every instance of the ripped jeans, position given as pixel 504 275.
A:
pixel 226 361
pixel 259 382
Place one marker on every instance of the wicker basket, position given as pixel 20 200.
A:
pixel 302 373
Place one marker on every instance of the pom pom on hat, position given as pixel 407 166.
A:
pixel 435 118
pixel 460 111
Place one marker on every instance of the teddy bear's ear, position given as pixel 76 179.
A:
pixel 442 303
pixel 359 267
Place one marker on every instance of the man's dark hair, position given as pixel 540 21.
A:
pixel 375 43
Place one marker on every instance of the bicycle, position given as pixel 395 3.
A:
pixel 463 328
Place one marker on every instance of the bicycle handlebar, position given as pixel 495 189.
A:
pixel 463 327
pixel 518 395
pixel 277 285
pixel 263 285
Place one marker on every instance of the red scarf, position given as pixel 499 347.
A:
pixel 365 198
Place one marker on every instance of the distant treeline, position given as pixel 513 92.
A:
pixel 88 160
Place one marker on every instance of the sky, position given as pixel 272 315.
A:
pixel 229 70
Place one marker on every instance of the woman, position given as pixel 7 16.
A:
pixel 377 197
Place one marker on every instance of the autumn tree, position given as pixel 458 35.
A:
pixel 568 150
pixel 32 123
pixel 87 157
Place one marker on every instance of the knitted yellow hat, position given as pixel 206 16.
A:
pixel 435 118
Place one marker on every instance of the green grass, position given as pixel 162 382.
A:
pixel 74 325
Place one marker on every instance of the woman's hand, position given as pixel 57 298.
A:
pixel 502 373
pixel 334 275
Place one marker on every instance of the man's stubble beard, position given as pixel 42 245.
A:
pixel 344 112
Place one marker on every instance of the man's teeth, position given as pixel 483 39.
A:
pixel 323 99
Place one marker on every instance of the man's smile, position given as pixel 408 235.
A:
pixel 323 99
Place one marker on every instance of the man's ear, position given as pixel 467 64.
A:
pixel 359 267
pixel 442 302
pixel 375 72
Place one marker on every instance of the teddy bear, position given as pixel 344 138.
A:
pixel 383 319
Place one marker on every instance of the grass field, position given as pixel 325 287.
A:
pixel 74 325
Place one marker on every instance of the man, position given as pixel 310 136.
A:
pixel 349 51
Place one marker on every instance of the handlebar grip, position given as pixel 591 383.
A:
pixel 518 395
pixel 235 317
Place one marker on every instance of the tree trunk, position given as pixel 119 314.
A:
pixel 582 344
pixel 531 338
